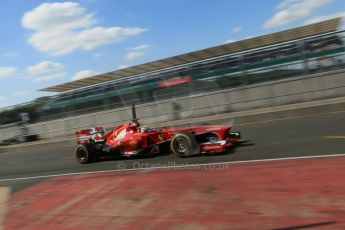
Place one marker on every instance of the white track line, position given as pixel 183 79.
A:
pixel 182 165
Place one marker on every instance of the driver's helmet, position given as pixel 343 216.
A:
pixel 146 129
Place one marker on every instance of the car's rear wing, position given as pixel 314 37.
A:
pixel 92 135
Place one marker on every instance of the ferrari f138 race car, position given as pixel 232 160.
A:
pixel 132 139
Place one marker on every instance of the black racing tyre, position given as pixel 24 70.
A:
pixel 184 145
pixel 85 153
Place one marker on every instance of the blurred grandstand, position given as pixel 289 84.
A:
pixel 308 49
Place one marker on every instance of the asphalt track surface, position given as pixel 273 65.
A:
pixel 322 134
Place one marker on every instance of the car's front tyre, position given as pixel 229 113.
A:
pixel 184 145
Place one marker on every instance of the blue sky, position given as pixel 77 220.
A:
pixel 44 43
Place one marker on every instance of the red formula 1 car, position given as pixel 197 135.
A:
pixel 132 139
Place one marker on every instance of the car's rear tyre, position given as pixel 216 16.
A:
pixel 184 145
pixel 85 153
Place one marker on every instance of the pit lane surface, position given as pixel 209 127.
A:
pixel 301 136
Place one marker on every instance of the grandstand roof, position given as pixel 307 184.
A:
pixel 234 47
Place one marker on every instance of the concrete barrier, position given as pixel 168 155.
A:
pixel 293 90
